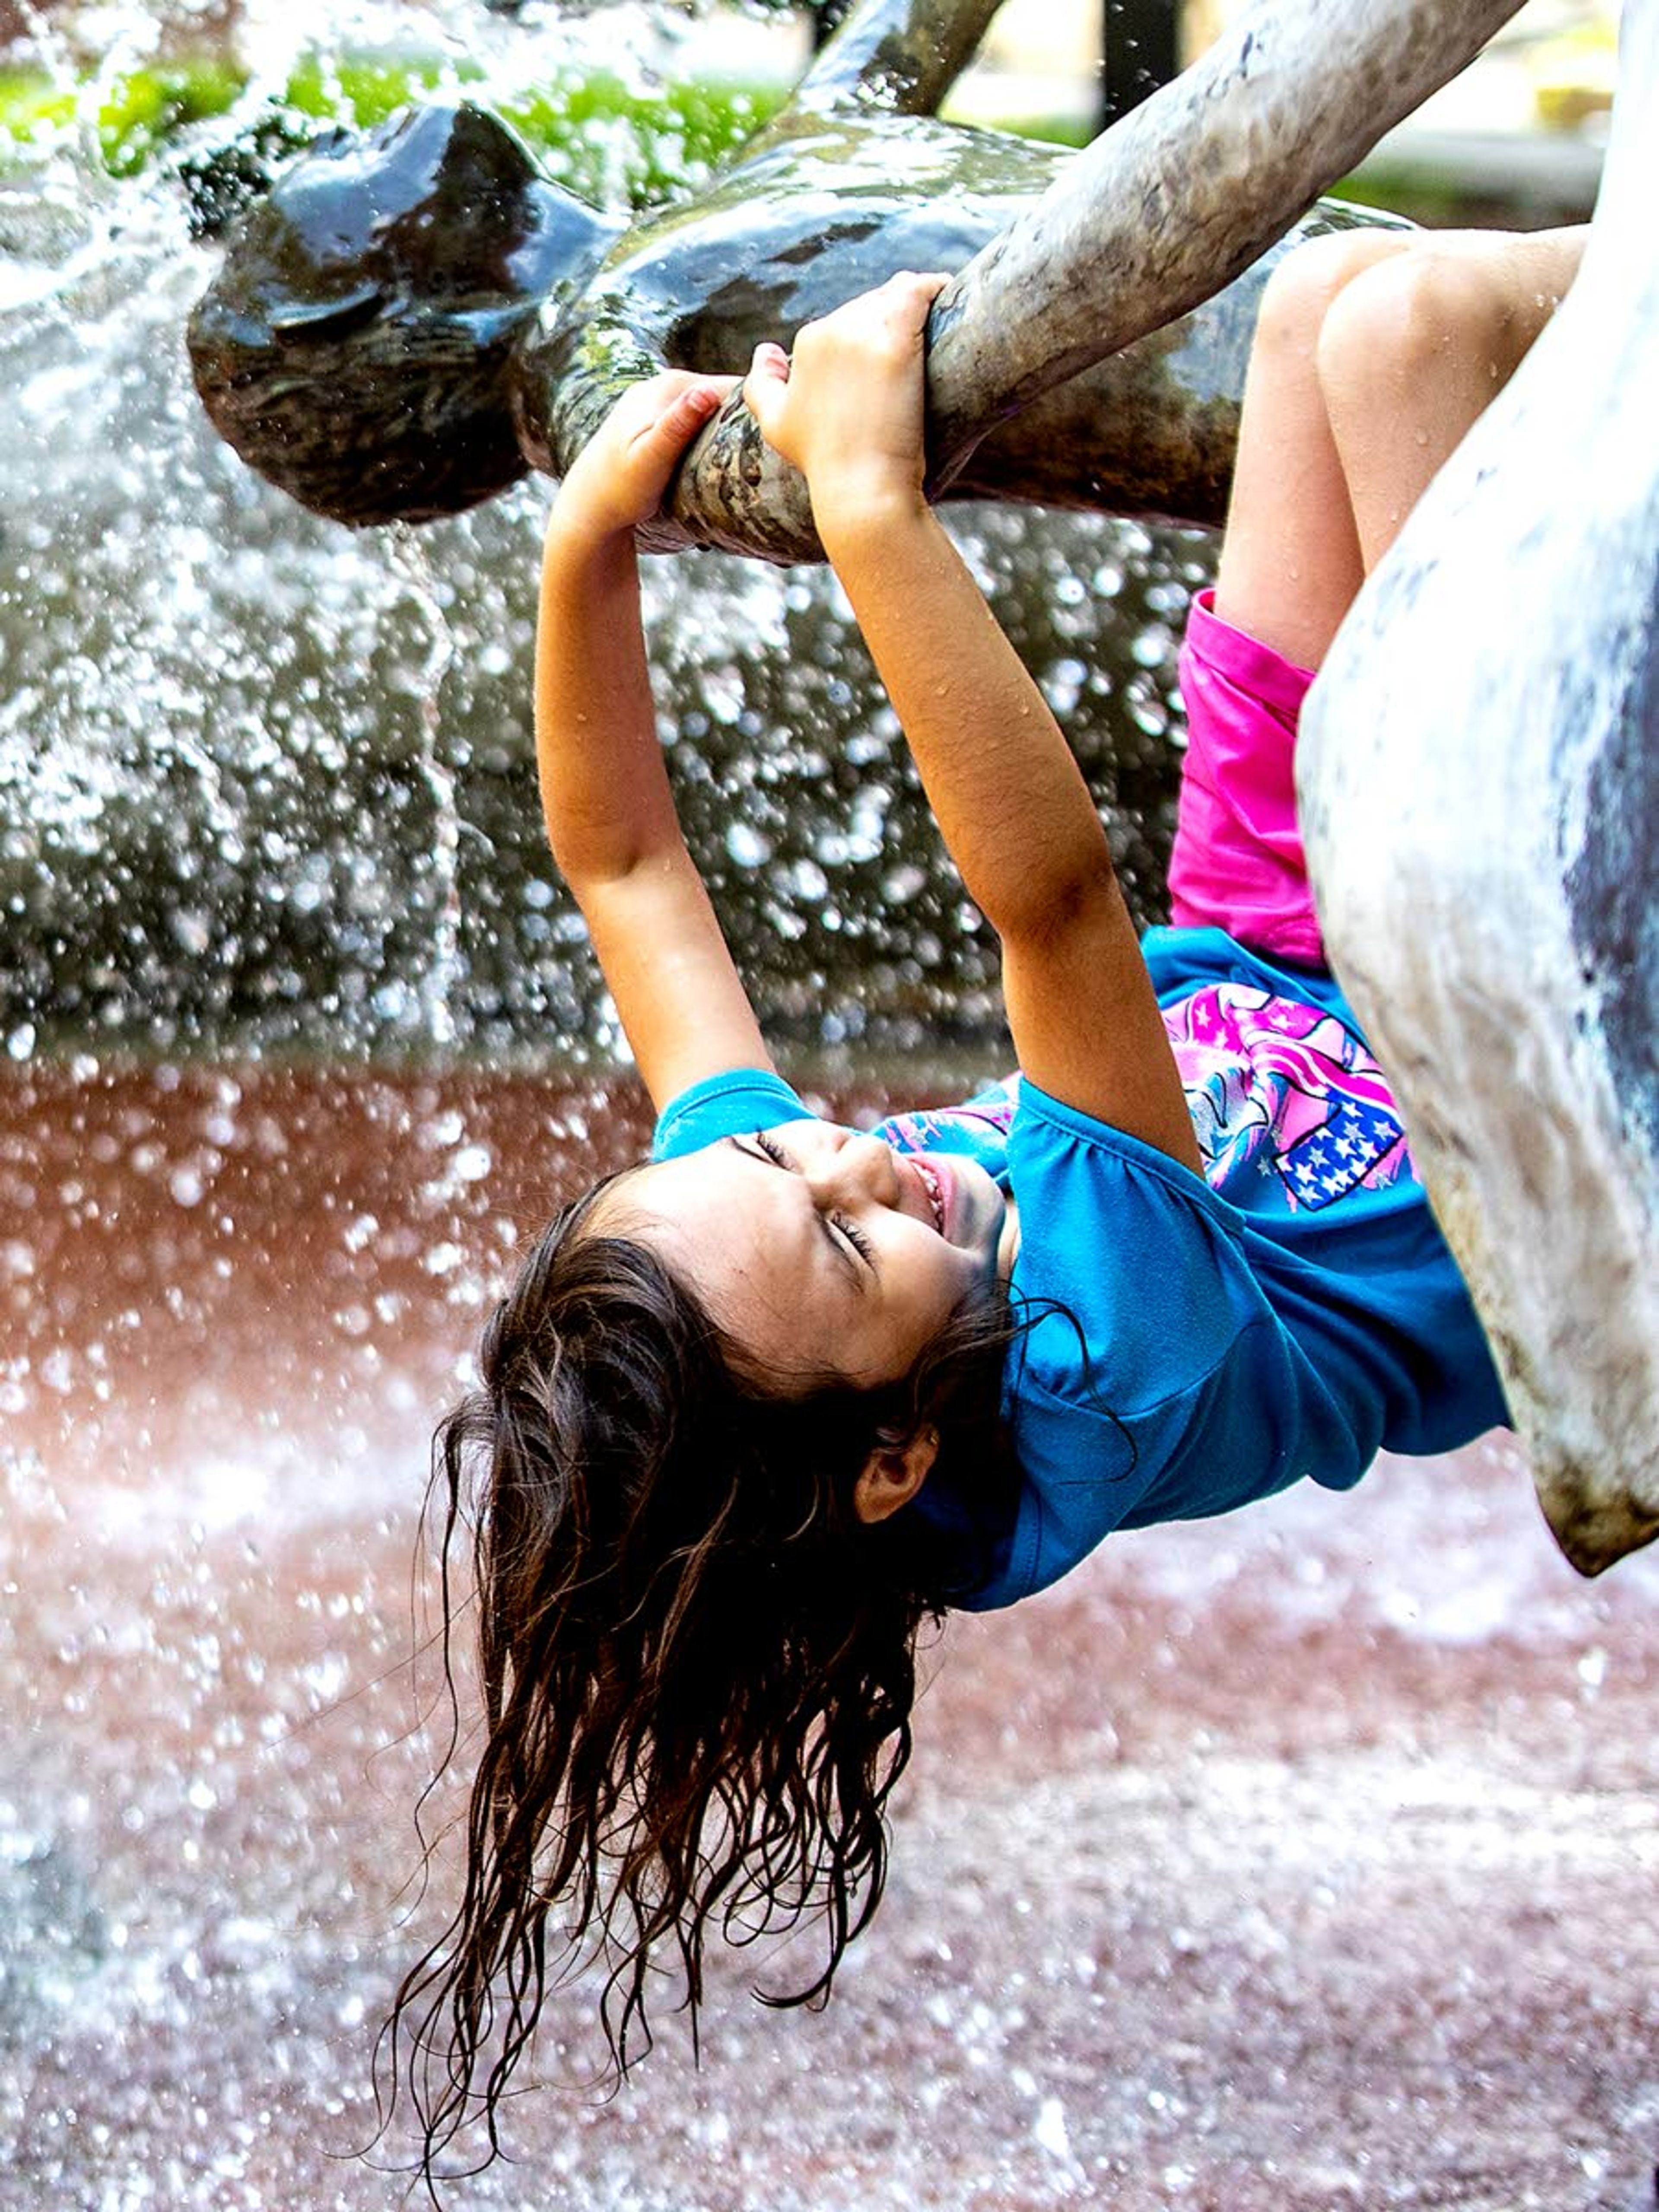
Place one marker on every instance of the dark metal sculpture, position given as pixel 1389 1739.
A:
pixel 411 319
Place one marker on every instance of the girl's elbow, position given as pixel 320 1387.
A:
pixel 1059 903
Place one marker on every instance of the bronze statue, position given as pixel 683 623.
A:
pixel 413 319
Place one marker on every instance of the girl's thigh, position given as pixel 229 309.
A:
pixel 1289 559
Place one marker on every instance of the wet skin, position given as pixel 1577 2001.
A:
pixel 822 1249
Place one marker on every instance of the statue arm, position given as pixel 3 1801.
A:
pixel 899 56
pixel 1158 215
pixel 1183 194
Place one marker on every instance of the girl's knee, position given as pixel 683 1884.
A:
pixel 1461 308
pixel 1306 284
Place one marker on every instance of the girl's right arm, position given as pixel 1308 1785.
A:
pixel 1010 804
pixel 610 812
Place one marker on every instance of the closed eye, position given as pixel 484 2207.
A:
pixel 856 1238
pixel 833 1224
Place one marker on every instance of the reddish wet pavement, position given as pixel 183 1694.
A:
pixel 1303 1860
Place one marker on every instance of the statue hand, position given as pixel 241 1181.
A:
pixel 847 410
pixel 619 477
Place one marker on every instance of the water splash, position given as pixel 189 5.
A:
pixel 219 775
pixel 425 682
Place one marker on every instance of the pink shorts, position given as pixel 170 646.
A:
pixel 1237 863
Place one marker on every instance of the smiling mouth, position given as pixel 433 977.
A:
pixel 930 1183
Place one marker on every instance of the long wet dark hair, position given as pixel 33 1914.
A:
pixel 697 1663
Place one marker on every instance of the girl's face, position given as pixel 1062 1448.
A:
pixel 819 1250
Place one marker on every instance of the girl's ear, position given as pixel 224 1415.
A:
pixel 893 1473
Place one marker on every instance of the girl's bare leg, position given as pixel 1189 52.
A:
pixel 1413 350
pixel 1374 354
pixel 1290 559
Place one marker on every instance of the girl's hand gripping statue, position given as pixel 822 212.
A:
pixel 847 411
pixel 620 475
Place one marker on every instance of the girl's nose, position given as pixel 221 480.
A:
pixel 858 1167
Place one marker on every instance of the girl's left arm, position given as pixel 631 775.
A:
pixel 609 811
pixel 1020 824
pixel 1009 801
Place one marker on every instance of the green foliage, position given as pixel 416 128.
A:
pixel 600 137
pixel 604 142
pixel 1075 131
pixel 133 115
pixel 1433 198
pixel 362 89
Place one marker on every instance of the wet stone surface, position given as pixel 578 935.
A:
pixel 1297 1861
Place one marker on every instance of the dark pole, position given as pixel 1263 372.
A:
pixel 828 16
pixel 1139 43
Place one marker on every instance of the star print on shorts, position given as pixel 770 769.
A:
pixel 1281 1088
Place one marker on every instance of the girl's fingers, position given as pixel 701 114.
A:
pixel 704 395
pixel 769 365
pixel 768 379
pixel 919 283
pixel 694 404
pixel 904 299
pixel 910 300
pixel 683 413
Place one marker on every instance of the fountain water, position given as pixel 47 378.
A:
pixel 172 630
pixel 301 1038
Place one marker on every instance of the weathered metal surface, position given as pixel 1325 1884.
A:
pixel 1185 192
pixel 897 56
pixel 1480 791
pixel 378 316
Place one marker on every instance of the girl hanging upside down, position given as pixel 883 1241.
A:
pixel 757 1408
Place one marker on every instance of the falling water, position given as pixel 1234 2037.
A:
pixel 1252 1869
pixel 225 808
pixel 425 682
